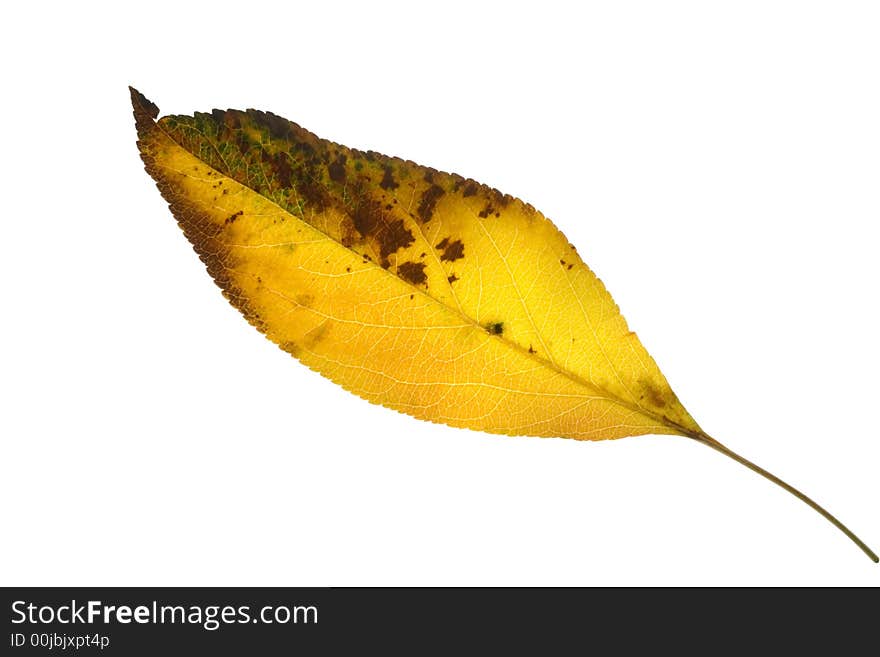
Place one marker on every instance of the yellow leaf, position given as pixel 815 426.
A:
pixel 416 289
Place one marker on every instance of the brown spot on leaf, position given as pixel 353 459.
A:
pixel 306 149
pixel 414 272
pixel 500 200
pixel 231 218
pixel 650 393
pixel 393 237
pixel 280 166
pixel 291 347
pixel 452 251
pixel 452 279
pixel 243 143
pixel 232 120
pixel 496 328
pixel 370 220
pixel 336 169
pixel 365 218
pixel 486 211
pixel 316 335
pixel 388 182
pixel 314 193
pixel 305 300
pixel 429 202
pixel 279 128
pixel 470 188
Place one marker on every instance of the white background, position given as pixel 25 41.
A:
pixel 717 164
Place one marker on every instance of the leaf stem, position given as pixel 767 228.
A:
pixel 718 447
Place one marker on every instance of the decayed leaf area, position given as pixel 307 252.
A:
pixel 416 289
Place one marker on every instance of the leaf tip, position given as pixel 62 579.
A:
pixel 143 106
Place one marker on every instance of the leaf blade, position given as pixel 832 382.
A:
pixel 416 289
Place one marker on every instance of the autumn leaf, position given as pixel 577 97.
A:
pixel 416 289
